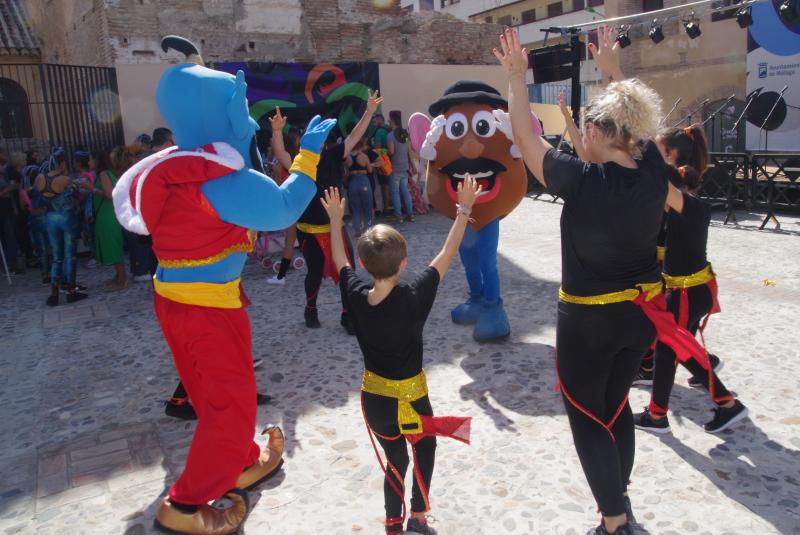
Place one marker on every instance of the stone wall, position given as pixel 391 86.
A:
pixel 105 32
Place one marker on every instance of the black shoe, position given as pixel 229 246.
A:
pixel 644 420
pixel 347 323
pixel 643 378
pixel 312 321
pixel 46 279
pixel 625 529
pixel 716 365
pixel 724 418
pixel 52 300
pixel 180 408
pixel 419 526
pixel 74 296
pixel 262 399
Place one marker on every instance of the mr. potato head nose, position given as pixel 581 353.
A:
pixel 471 148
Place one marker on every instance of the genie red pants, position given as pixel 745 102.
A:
pixel 212 353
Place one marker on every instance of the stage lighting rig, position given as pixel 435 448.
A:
pixel 692 27
pixel 656 32
pixel 744 17
pixel 622 37
pixel 789 11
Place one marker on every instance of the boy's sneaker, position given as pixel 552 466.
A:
pixel 622 530
pixel 643 378
pixel 312 320
pixel 143 278
pixel 716 365
pixel 724 418
pixel 644 420
pixel 276 281
pixel 419 526
pixel 257 363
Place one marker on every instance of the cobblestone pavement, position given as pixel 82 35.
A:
pixel 87 448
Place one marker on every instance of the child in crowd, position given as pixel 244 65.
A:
pixel 389 317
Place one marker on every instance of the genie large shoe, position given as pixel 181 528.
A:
pixel 267 465
pixel 467 313
pixel 492 322
pixel 206 520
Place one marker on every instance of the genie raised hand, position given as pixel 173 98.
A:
pixel 316 134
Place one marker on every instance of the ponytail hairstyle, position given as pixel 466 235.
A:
pixel 57 157
pixel 690 145
pixel 684 177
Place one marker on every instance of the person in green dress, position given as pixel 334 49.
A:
pixel 108 232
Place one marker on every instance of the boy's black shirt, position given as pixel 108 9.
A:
pixel 390 333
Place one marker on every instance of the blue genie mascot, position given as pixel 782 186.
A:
pixel 200 202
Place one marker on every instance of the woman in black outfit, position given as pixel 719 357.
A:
pixel 691 298
pixel 610 297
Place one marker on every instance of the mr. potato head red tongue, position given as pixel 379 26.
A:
pixel 471 133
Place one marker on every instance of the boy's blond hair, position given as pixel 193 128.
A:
pixel 382 249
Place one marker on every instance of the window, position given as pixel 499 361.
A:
pixel 578 5
pixel 554 10
pixel 652 5
pixel 425 5
pixel 723 15
pixel 488 19
pixel 15 118
pixel 528 16
pixel 595 3
pixel 446 3
pixel 504 21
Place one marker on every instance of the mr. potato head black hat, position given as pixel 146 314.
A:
pixel 467 91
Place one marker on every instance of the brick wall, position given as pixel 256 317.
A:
pixel 105 32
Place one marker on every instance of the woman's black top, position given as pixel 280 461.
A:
pixel 687 236
pixel 610 221
pixel 355 168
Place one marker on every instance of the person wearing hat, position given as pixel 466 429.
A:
pixel 470 134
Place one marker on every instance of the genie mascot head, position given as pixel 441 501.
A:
pixel 470 133
pixel 203 106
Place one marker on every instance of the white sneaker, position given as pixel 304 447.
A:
pixel 91 264
pixel 143 278
pixel 276 281
pixel 257 363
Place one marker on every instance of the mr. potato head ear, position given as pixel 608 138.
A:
pixel 503 123
pixel 425 134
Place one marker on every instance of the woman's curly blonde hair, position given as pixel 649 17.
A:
pixel 629 111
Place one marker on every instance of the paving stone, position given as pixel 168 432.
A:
pixel 88 387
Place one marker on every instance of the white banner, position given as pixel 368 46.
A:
pixel 773 62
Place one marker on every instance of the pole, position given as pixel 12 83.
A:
pixel 674 107
pixel 575 43
pixel 692 112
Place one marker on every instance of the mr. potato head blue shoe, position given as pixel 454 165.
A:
pixel 468 313
pixel 492 322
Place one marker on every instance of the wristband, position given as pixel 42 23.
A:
pixel 460 210
pixel 306 163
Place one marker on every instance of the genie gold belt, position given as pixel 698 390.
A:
pixel 687 281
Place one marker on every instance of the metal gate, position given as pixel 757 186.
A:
pixel 45 105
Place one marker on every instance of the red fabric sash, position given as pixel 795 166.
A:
pixel 330 271
pixel 457 427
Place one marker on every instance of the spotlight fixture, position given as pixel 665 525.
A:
pixel 744 18
pixel 622 37
pixel 656 33
pixel 692 27
pixel 788 11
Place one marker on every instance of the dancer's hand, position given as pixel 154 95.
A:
pixel 513 57
pixel 277 121
pixel 606 53
pixel 468 191
pixel 334 205
pixel 562 105
pixel 373 101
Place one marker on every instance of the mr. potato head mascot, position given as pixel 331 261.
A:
pixel 471 133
